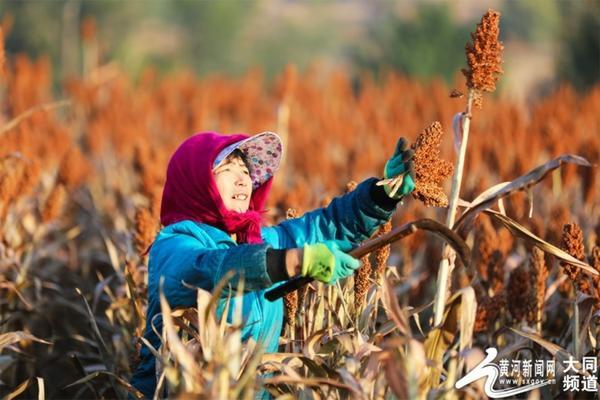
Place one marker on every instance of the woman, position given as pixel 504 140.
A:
pixel 213 199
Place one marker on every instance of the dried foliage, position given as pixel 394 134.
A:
pixel 430 170
pixel 73 210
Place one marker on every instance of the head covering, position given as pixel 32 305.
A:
pixel 263 152
pixel 190 191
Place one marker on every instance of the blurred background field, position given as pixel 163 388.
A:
pixel 95 96
pixel 546 40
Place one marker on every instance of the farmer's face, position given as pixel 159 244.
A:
pixel 234 184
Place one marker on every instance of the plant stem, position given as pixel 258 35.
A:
pixel 27 113
pixel 576 318
pixel 445 270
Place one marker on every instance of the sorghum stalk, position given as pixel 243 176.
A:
pixel 89 45
pixel 576 318
pixel 445 270
pixel 484 57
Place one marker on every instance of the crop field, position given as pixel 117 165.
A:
pixel 81 178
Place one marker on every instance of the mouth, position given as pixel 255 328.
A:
pixel 240 196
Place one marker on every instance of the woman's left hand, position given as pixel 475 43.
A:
pixel 398 172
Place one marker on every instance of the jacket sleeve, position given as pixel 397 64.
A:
pixel 354 217
pixel 185 264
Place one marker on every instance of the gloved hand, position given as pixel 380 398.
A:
pixel 327 261
pixel 398 172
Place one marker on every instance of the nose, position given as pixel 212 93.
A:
pixel 240 180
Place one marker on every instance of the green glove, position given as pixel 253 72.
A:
pixel 400 164
pixel 327 261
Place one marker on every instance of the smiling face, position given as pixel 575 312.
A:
pixel 234 183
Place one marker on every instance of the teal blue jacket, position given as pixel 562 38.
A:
pixel 189 254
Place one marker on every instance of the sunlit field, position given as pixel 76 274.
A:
pixel 81 179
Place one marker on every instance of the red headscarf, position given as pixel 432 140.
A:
pixel 191 193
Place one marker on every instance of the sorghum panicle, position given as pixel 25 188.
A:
pixel 291 300
pixel 382 254
pixel 88 29
pixel 595 261
pixel 54 203
pixel 485 244
pixel 146 227
pixel 362 274
pixel 538 275
pixel 350 186
pixel 496 272
pixel 519 292
pixel 484 54
pixel 488 311
pixel 361 282
pixel 430 170
pixel 18 177
pixel 572 243
pixel 74 169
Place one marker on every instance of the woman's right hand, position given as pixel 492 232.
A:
pixel 328 262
